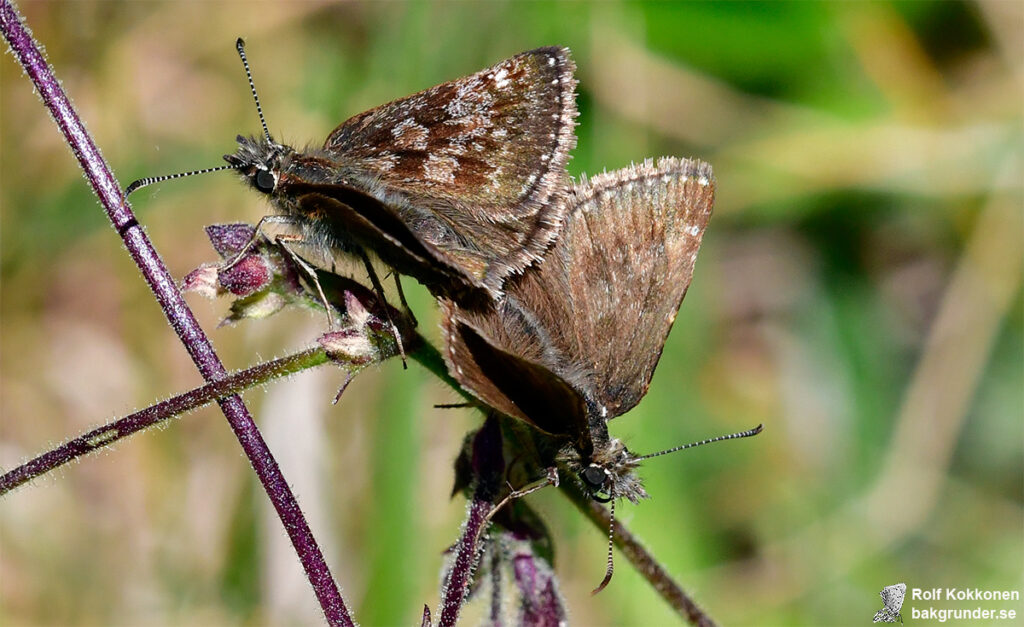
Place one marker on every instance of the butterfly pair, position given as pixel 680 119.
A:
pixel 557 296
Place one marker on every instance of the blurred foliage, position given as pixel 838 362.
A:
pixel 858 292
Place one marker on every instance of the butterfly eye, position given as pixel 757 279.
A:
pixel 594 477
pixel 264 181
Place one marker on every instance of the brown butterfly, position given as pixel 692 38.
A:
pixel 575 340
pixel 459 186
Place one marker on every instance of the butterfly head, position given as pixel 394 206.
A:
pixel 607 473
pixel 259 162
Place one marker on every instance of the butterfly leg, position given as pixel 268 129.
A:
pixel 273 219
pixel 454 405
pixel 550 479
pixel 377 287
pixel 284 241
pixel 348 379
pixel 401 298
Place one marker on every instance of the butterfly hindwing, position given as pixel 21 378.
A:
pixel 499 358
pixel 609 290
pixel 594 315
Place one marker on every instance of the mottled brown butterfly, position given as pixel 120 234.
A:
pixel 459 186
pixel 574 341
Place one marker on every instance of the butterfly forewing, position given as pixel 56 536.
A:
pixel 475 166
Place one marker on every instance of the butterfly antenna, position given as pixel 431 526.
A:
pixel 611 567
pixel 149 180
pixel 731 436
pixel 240 46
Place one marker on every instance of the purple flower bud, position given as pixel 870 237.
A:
pixel 246 277
pixel 202 280
pixel 229 239
pixel 540 602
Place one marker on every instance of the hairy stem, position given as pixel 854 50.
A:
pixel 155 414
pixel 467 550
pixel 488 467
pixel 237 382
pixel 180 316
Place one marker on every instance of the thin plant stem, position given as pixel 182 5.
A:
pixel 237 382
pixel 427 356
pixel 488 467
pixel 639 557
pixel 154 415
pixel 467 550
pixel 178 314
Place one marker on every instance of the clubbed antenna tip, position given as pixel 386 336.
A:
pixel 240 46
pixel 732 436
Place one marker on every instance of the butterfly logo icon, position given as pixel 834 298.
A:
pixel 892 598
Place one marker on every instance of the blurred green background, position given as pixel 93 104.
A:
pixel 859 292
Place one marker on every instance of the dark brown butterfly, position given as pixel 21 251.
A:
pixel 459 186
pixel 575 340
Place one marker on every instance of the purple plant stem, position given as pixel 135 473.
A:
pixel 540 603
pixel 174 307
pixel 488 466
pixel 466 553
pixel 153 415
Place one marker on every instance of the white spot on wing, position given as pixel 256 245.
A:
pixel 501 78
pixel 409 134
pixel 384 162
pixel 440 169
